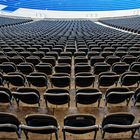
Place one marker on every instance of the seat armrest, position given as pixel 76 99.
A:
pixel 32 128
pixel 94 127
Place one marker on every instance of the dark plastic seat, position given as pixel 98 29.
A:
pixel 7 67
pixel 80 124
pixel 17 59
pixel 82 67
pixel 66 60
pixel 32 49
pixel 40 124
pixel 71 49
pixel 107 79
pixel 96 59
pixel 48 46
pixel 128 59
pixel 106 53
pixel 38 54
pixel 2 54
pixel 44 49
pixel 80 60
pixel 120 67
pixel 79 54
pixel 120 53
pixel 84 79
pixel 88 96
pixel 101 67
pixel 60 80
pixel 33 60
pixel 118 95
pixel 110 49
pixel 121 49
pixel 58 50
pixel 63 68
pixel 134 53
pixel 27 95
pixel 57 97
pixel 9 123
pixel 4 58
pixel 15 78
pixel 45 68
pixel 25 68
pixel 96 49
pixel 11 53
pixel 19 49
pixel 38 79
pixel 66 54
pixel 25 54
pixel 129 78
pixel 5 95
pixel 135 66
pixel 7 49
pixel 52 54
pixel 85 50
pixel 119 122
pixel 93 54
pixel 49 59
pixel 112 59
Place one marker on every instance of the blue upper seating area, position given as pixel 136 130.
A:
pixel 129 24
pixel 10 9
pixel 72 5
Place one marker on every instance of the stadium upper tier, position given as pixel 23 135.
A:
pixel 72 5
pixel 128 24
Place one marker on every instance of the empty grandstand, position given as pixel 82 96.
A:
pixel 69 78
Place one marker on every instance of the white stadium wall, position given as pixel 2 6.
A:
pixel 21 12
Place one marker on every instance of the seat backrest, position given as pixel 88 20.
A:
pixel 79 120
pixel 28 89
pixel 60 80
pixel 41 120
pixel 6 118
pixel 117 89
pixel 6 90
pixel 118 118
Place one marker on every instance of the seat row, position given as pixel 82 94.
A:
pixel 56 52
pixel 49 65
pixel 80 46
pixel 62 80
pixel 127 42
pixel 66 45
pixel 74 124
pixel 57 96
pixel 52 58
